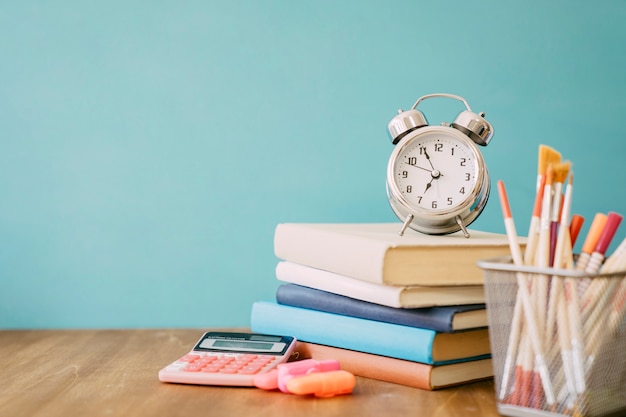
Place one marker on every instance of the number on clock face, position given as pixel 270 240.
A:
pixel 436 173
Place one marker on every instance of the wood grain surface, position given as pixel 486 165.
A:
pixel 114 373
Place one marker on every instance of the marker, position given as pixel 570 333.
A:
pixel 591 240
pixel 612 223
pixel 617 260
pixel 575 225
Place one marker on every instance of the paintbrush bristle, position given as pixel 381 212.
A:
pixel 549 175
pixel 560 171
pixel 547 156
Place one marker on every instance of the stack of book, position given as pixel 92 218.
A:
pixel 404 309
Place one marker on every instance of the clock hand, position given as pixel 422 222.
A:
pixel 428 158
pixel 435 174
pixel 430 183
pixel 416 166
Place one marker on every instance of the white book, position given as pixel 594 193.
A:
pixel 392 296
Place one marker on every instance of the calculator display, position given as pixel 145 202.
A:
pixel 243 342
pixel 232 344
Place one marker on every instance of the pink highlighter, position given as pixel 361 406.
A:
pixel 278 377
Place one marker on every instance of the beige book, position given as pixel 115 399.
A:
pixel 375 252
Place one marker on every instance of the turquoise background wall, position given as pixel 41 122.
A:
pixel 149 149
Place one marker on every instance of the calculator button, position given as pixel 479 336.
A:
pixel 246 357
pixel 204 361
pixel 189 358
pixel 250 370
pixel 228 371
pixel 192 368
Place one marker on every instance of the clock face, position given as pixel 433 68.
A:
pixel 436 171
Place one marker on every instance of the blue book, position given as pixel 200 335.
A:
pixel 369 336
pixel 442 319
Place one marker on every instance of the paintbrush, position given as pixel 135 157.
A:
pixel 547 156
pixel 559 173
pixel 542 257
pixel 516 325
pixel 557 313
pixel 533 333
pixel 563 298
pixel 562 256
pixel 565 343
pixel 563 248
pixel 543 244
pixel 533 229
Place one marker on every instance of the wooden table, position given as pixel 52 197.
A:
pixel 114 373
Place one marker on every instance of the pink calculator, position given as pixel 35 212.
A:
pixel 227 358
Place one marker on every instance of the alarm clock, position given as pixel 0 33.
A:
pixel 437 179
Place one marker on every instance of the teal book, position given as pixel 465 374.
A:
pixel 369 336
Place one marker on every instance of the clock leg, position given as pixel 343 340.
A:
pixel 406 223
pixel 459 221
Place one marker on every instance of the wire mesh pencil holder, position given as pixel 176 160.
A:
pixel 558 340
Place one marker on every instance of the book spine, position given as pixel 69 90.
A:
pixel 401 342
